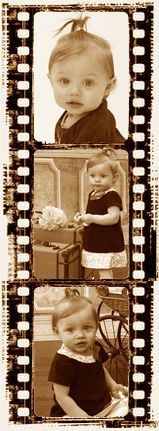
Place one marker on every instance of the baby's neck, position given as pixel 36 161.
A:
pixel 69 120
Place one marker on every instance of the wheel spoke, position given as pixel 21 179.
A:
pixel 114 331
pixel 123 342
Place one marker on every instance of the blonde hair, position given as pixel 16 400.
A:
pixel 105 156
pixel 70 304
pixel 78 41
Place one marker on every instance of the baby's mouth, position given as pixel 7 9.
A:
pixel 74 104
pixel 81 344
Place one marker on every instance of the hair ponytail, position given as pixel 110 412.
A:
pixel 78 41
pixel 77 25
pixel 109 152
pixel 71 292
pixel 105 155
pixel 70 304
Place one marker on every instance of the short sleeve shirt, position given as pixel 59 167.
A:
pixel 96 127
pixel 99 238
pixel 86 382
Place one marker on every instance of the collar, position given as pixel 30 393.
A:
pixel 97 194
pixel 81 358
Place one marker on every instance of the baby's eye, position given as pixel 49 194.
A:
pixel 88 82
pixel 87 327
pixel 69 329
pixel 64 81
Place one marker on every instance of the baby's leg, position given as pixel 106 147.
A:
pixel 105 274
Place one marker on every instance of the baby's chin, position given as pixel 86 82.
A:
pixel 99 188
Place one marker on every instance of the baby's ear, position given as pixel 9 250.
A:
pixel 110 86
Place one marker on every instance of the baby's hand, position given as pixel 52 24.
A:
pixel 77 217
pixel 119 391
pixel 86 218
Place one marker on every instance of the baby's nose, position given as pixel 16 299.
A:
pixel 79 333
pixel 75 89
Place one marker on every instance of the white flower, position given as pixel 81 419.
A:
pixel 52 218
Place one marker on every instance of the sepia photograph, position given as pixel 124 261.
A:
pixel 81 214
pixel 81 77
pixel 81 351
pixel 79 220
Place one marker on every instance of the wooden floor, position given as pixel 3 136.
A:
pixel 44 352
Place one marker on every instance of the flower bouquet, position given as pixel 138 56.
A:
pixel 52 218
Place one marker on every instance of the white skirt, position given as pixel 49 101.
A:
pixel 103 260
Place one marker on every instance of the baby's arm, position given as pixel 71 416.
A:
pixel 117 390
pixel 106 219
pixel 67 403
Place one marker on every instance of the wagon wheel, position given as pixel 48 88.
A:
pixel 114 331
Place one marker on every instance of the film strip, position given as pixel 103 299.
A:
pixel 21 131
pixel 20 374
pixel 19 22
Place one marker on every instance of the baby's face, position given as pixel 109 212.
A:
pixel 78 331
pixel 79 82
pixel 101 177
